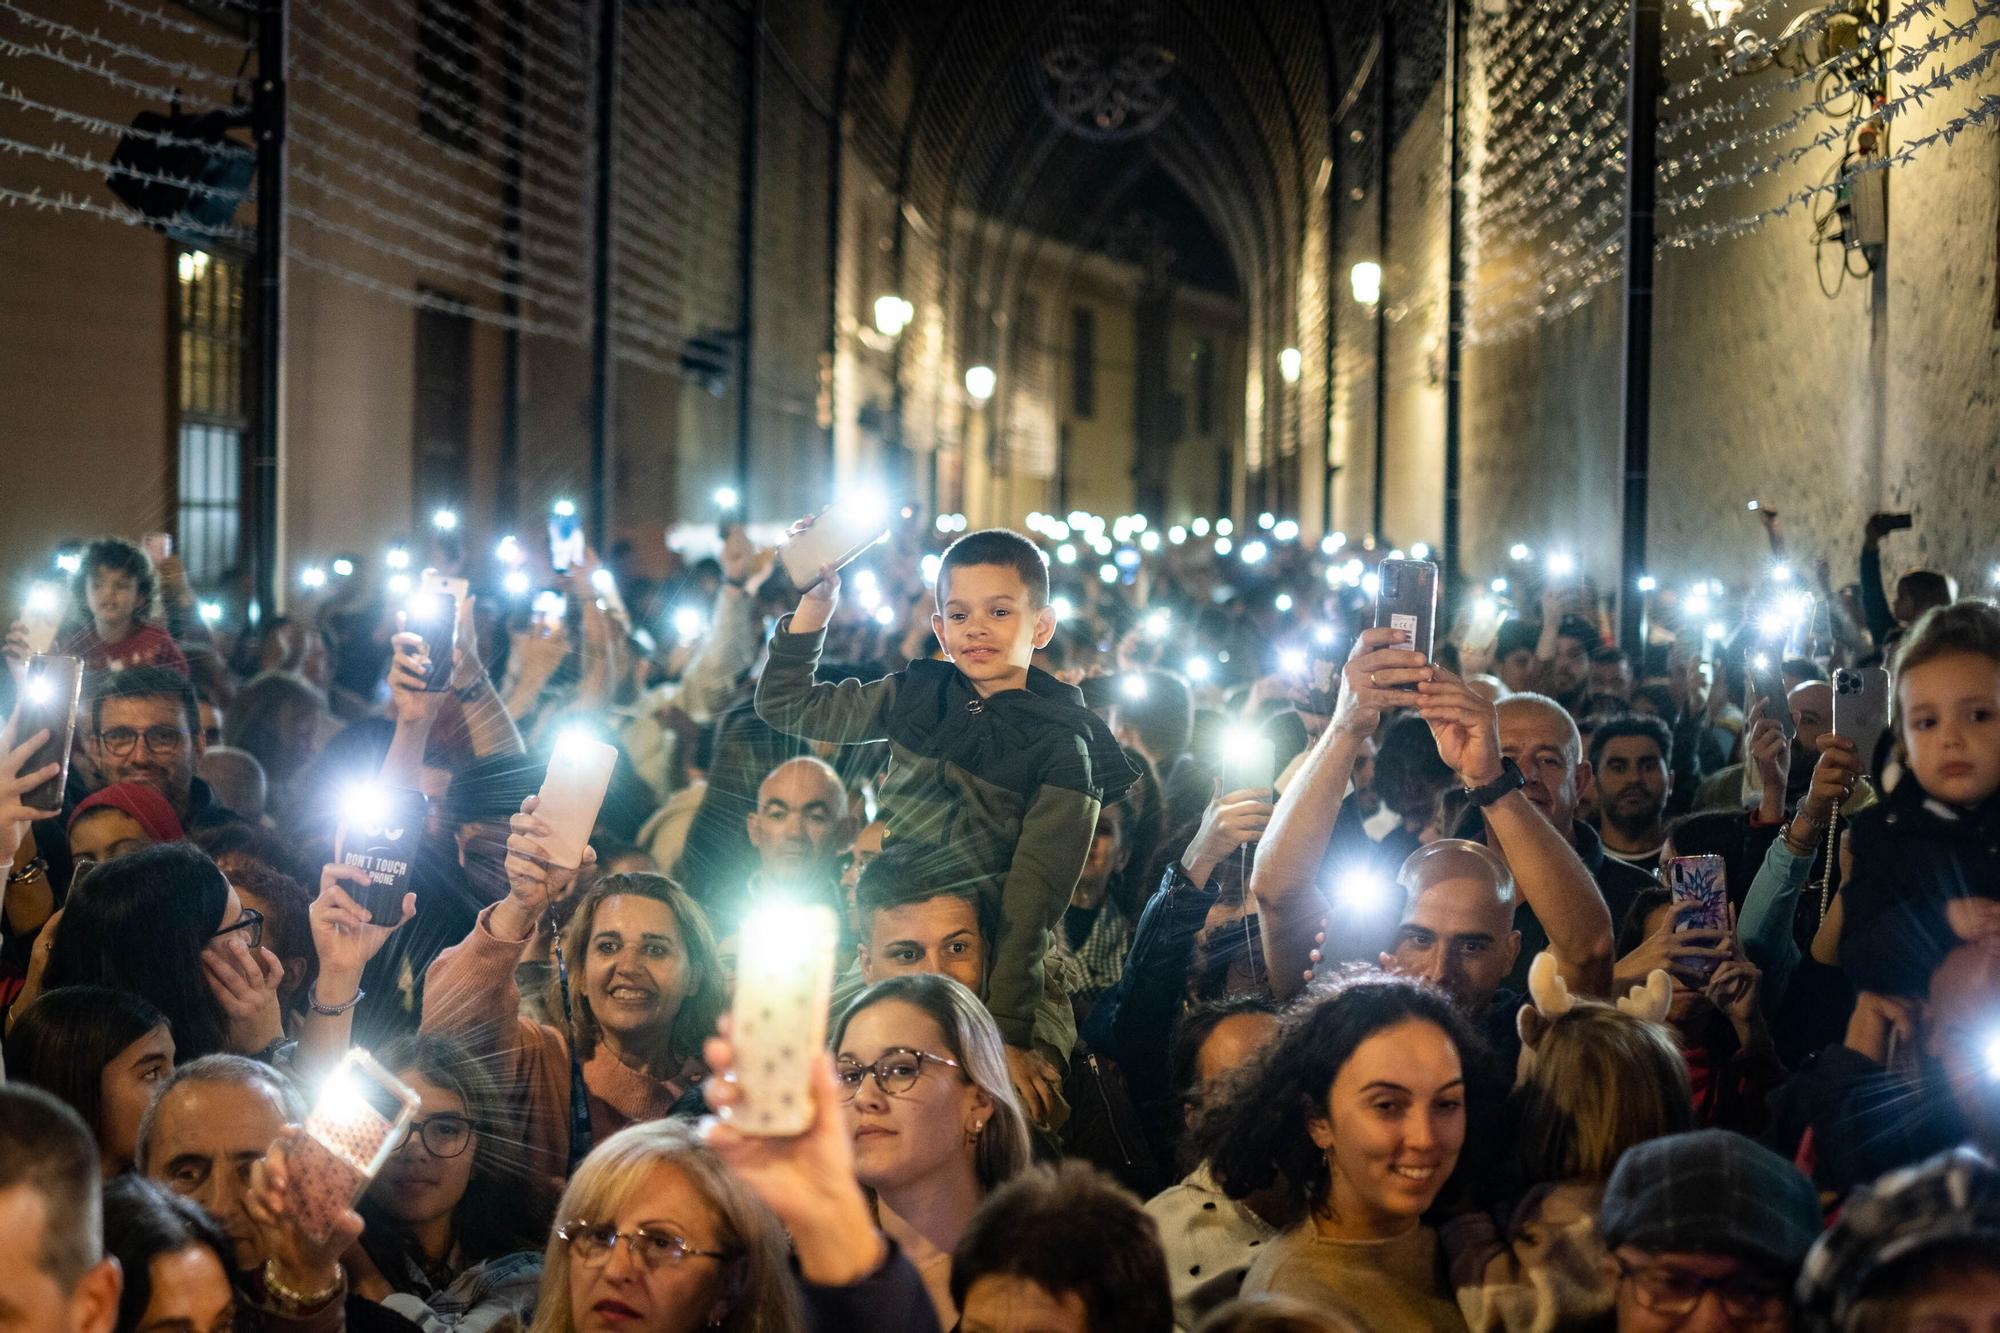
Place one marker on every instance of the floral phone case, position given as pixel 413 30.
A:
pixel 360 1117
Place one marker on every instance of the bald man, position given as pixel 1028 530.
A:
pixel 799 828
pixel 1811 705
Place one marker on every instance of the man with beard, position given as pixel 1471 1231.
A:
pixel 1632 758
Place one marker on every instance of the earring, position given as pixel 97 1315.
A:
pixel 978 1128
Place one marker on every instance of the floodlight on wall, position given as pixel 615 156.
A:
pixel 1289 364
pixel 892 315
pixel 980 382
pixel 1366 280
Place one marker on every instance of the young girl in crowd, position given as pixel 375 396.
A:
pixel 1354 1118
pixel 933 1118
pixel 1595 1080
pixel 452 1235
pixel 637 982
pixel 100 1050
pixel 174 1259
pixel 1934 841
pixel 121 818
pixel 655 1235
pixel 163 923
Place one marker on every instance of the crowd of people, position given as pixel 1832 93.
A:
pixel 1213 952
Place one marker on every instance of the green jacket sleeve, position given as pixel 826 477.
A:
pixel 791 701
pixel 1055 839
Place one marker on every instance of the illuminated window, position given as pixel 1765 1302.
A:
pixel 209 342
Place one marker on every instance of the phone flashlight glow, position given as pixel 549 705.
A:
pixel 40 690
pixel 1362 890
pixel 1132 687
pixel 423 606
pixel 41 599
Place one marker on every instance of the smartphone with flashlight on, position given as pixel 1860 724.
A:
pixel 379 830
pixel 158 546
pixel 1760 670
pixel 42 616
pixel 49 695
pixel 836 535
pixel 565 536
pixel 433 617
pixel 1700 900
pixel 361 1116
pixel 548 610
pixel 445 583
pixel 1406 600
pixel 1249 761
pixel 777 1021
pixel 573 788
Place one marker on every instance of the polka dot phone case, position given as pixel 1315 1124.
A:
pixel 784 982
pixel 362 1113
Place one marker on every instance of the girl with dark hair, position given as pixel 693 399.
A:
pixel 1351 1122
pixel 163 923
pixel 931 1112
pixel 447 1236
pixel 102 1051
pixel 174 1257
pixel 636 988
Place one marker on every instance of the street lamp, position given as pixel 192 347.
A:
pixel 980 382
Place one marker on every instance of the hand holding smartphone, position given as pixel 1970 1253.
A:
pixel 579 774
pixel 50 692
pixel 777 1024
pixel 433 617
pixel 1701 901
pixel 1406 600
pixel 1249 762
pixel 361 1116
pixel 379 832
pixel 1767 684
pixel 565 537
pixel 1861 710
pixel 836 535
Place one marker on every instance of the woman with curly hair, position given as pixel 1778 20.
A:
pixel 1351 1121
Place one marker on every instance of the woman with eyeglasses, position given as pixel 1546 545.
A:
pixel 932 1115
pixel 449 1238
pixel 164 924
pixel 656 1235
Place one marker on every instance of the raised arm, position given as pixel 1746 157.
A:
pixel 415 712
pixel 1546 870
pixel 1285 877
pixel 791 701
pixel 346 938
pixel 488 724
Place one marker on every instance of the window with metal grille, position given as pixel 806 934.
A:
pixel 209 343
pixel 448 72
pixel 1083 362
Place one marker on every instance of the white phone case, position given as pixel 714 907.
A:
pixel 436 582
pixel 842 531
pixel 579 774
pixel 784 982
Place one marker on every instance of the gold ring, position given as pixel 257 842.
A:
pixel 1371 681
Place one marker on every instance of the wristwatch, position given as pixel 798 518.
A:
pixel 1510 779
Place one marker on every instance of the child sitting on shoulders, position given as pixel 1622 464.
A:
pixel 991 759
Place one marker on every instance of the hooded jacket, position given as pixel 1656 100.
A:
pixel 1006 787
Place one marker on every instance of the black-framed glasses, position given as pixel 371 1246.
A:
pixel 895 1073
pixel 119 742
pixel 592 1243
pixel 1667 1290
pixel 443 1135
pixel 251 923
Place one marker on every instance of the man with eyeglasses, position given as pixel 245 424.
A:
pixel 1705 1234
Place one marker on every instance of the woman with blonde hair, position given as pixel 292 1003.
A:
pixel 656 1235
pixel 931 1113
pixel 636 989
pixel 1595 1080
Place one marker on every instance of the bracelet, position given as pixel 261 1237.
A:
pixel 1811 846
pixel 474 692
pixel 35 869
pixel 300 1300
pixel 332 1010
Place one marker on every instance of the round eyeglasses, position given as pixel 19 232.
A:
pixel 443 1135
pixel 895 1073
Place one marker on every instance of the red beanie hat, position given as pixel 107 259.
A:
pixel 142 802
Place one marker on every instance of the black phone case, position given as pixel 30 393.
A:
pixel 1406 599
pixel 55 712
pixel 388 854
pixel 439 631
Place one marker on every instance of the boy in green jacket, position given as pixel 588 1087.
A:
pixel 996 763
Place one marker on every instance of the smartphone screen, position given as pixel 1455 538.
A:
pixel 42 615
pixel 433 617
pixel 1406 599
pixel 158 545
pixel 573 789
pixel 784 980
pixel 444 583
pixel 1861 710
pixel 840 532
pixel 549 609
pixel 49 695
pixel 361 1116
pixel 1701 899
pixel 380 828
pixel 1249 762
